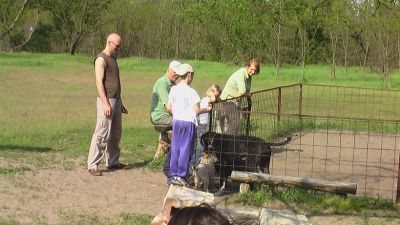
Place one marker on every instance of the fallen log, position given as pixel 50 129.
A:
pixel 313 184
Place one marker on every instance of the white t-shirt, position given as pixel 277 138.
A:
pixel 203 117
pixel 183 99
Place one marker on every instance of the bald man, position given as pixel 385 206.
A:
pixel 106 137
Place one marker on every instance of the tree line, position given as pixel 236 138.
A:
pixel 362 33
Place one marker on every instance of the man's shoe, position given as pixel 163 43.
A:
pixel 117 166
pixel 95 172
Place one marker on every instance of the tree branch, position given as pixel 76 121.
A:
pixel 31 31
pixel 9 28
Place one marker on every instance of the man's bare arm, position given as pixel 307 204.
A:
pixel 99 66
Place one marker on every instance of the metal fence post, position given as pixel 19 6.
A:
pixel 249 105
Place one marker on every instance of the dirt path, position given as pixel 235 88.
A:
pixel 50 194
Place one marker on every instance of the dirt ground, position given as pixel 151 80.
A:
pixel 49 196
pixel 370 160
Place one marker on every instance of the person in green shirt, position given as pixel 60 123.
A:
pixel 159 115
pixel 238 85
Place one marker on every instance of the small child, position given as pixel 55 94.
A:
pixel 212 95
pixel 183 102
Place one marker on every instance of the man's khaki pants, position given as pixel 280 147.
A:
pixel 106 137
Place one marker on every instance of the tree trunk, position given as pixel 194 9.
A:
pixel 334 46
pixel 303 53
pixel 160 34
pixel 398 48
pixel 277 53
pixel 74 44
pixel 345 48
pixel 177 39
pixel 278 47
pixel 366 53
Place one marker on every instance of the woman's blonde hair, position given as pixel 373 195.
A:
pixel 256 63
pixel 214 88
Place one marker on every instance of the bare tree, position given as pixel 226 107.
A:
pixel 29 32
pixel 9 22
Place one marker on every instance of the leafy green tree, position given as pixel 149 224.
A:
pixel 231 27
pixel 76 19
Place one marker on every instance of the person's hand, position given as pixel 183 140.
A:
pixel 107 109
pixel 209 108
pixel 123 109
pixel 248 95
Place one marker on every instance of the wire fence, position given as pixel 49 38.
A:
pixel 338 133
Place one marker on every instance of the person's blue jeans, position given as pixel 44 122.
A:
pixel 166 166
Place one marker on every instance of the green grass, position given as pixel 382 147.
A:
pixel 123 219
pixel 315 203
pixel 8 222
pixel 13 170
pixel 85 219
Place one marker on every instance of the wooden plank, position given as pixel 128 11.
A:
pixel 244 188
pixel 314 184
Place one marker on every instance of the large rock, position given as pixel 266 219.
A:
pixel 281 217
pixel 179 197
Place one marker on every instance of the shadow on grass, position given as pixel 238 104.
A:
pixel 25 148
pixel 140 164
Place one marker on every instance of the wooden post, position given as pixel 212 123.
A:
pixel 314 184
pixel 244 188
pixel 300 99
pixel 279 103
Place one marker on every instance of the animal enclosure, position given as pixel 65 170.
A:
pixel 338 133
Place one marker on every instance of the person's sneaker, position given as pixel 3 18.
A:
pixel 183 181
pixel 117 166
pixel 179 181
pixel 95 172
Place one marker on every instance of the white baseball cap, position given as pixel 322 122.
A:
pixel 174 65
pixel 184 69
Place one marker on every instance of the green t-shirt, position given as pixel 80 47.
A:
pixel 238 82
pixel 159 98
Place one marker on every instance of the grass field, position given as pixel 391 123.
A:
pixel 48 113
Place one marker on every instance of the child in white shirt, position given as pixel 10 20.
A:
pixel 212 95
pixel 183 102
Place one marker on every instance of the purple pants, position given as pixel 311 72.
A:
pixel 182 144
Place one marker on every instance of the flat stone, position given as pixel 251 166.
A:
pixel 282 217
pixel 239 216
